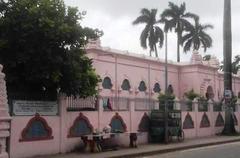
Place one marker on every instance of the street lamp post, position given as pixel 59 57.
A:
pixel 166 91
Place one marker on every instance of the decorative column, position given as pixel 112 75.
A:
pixel 100 113
pixel 211 116
pixel 195 105
pixel 4 117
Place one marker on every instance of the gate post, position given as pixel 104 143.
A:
pixel 4 117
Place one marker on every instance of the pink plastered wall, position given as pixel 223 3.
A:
pixel 20 149
pixel 60 125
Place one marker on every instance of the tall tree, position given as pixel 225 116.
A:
pixel 196 36
pixel 235 65
pixel 166 29
pixel 178 20
pixel 151 33
pixel 41 45
pixel 229 127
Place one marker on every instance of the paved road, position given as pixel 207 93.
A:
pixel 231 150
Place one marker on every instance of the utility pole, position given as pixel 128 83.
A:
pixel 229 127
pixel 166 91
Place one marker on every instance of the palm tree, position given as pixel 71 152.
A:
pixel 196 36
pixel 151 33
pixel 166 29
pixel 177 17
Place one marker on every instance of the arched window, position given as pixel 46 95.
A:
pixel 125 85
pixel 170 89
pixel 81 126
pixel 157 88
pixel 209 94
pixel 107 83
pixel 36 129
pixel 142 86
pixel 117 124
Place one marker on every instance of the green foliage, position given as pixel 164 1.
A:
pixel 217 106
pixel 235 65
pixel 196 36
pixel 234 99
pixel 175 17
pixel 191 95
pixel 151 33
pixel 202 104
pixel 163 96
pixel 42 48
pixel 207 57
pixel 166 98
pixel 202 99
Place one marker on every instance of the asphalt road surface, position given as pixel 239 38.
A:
pixel 231 150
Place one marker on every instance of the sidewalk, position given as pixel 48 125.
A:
pixel 151 149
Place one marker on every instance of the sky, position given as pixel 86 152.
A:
pixel 115 18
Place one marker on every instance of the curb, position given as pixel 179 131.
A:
pixel 162 151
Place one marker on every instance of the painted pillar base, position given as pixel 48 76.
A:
pixel 4 155
pixel 4 133
pixel 4 117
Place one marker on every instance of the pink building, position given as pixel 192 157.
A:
pixel 127 94
pixel 119 66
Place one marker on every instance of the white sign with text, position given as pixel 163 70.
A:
pixel 28 108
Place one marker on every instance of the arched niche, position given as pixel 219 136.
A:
pixel 117 124
pixel 81 126
pixel 36 129
pixel 144 123
pixel 219 121
pixel 142 86
pixel 170 89
pixel 205 121
pixel 156 88
pixel 107 83
pixel 209 93
pixel 126 85
pixel 188 122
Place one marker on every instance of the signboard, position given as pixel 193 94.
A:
pixel 227 94
pixel 29 108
